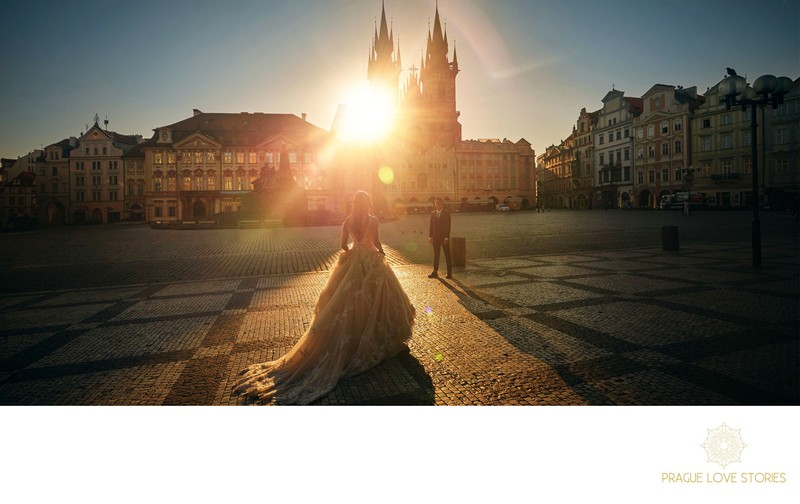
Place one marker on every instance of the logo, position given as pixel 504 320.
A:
pixel 724 445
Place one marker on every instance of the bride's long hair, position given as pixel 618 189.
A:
pixel 360 212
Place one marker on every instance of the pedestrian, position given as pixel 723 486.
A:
pixel 439 237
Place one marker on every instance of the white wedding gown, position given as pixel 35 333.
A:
pixel 362 317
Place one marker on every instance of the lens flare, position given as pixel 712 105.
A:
pixel 386 175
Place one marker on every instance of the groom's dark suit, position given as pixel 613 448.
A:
pixel 440 238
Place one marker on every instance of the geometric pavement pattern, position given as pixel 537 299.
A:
pixel 630 327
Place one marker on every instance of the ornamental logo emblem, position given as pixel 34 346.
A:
pixel 724 445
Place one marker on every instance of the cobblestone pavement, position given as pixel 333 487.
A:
pixel 627 326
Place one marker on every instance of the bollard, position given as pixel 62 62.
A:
pixel 458 251
pixel 669 237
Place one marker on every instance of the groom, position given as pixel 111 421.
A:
pixel 439 236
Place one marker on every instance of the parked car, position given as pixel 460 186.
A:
pixel 502 207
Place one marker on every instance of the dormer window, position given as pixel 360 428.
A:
pixel 164 135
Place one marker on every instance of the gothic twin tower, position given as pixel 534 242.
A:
pixel 427 105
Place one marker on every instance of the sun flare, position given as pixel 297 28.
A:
pixel 369 114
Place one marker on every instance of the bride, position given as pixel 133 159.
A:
pixel 361 317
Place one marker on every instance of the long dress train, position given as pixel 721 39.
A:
pixel 362 317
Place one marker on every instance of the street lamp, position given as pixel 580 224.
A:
pixel 766 90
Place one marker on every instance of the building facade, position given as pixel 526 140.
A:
pixel 53 183
pixel 613 147
pixel 206 164
pixel 97 176
pixel 583 168
pixel 662 143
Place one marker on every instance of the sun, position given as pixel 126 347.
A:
pixel 367 115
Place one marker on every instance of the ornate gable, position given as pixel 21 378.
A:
pixel 276 142
pixel 197 141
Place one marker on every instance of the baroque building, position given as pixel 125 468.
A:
pixel 662 143
pixel 613 145
pixel 97 175
pixel 206 164
pixel 723 152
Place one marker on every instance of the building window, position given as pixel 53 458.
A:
pixel 705 144
pixel 158 211
pixel 55 187
pixel 726 119
pixel 198 157
pixel 239 157
pixel 96 180
pixel 781 136
pixel 664 127
pixel 726 167
pixel 292 157
pixel 96 195
pixel 170 157
pixel 619 134
pixel 187 182
pixel 157 157
pixel 79 180
pixel 677 125
pixel 211 180
pixel 112 180
pixel 172 211
pixel 210 157
pixel 269 157
pixel 172 181
pixel 726 141
pixel 112 196
pixel 54 171
pixel 602 139
pixel 651 131
pixel 252 158
pixel 307 158
pixel 651 151
pixel 678 175
pixel 79 196
pixel 227 157
pixel 665 175
pixel 79 165
pixel 640 177
pixel 186 157
pixel 664 149
pixel 627 133
pixel 678 146
pixel 706 123
pixel 640 133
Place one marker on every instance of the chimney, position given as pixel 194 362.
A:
pixel 303 115
pixel 196 112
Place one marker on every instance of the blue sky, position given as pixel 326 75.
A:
pixel 527 66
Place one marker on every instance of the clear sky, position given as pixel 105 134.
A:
pixel 527 66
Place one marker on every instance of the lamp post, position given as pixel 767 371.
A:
pixel 766 90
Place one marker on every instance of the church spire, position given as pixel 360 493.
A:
pixel 384 63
